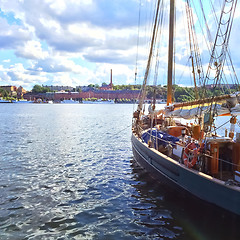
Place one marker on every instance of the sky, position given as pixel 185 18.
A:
pixel 73 42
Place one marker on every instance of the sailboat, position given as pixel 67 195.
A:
pixel 180 144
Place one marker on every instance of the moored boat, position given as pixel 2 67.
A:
pixel 23 101
pixel 4 101
pixel 69 101
pixel 192 156
pixel 98 101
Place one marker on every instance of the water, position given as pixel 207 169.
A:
pixel 67 172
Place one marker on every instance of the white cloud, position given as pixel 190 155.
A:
pixel 52 34
pixel 31 50
pixel 17 75
pixel 12 36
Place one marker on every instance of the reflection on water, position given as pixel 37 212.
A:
pixel 183 216
pixel 66 172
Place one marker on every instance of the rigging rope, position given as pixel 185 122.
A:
pixel 143 92
pixel 217 61
pixel 139 18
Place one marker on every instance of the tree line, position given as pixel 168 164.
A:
pixel 181 94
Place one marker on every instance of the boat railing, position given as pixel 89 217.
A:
pixel 226 169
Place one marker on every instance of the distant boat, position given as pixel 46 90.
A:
pixel 5 101
pixel 192 157
pixel 161 101
pixel 99 101
pixel 23 101
pixel 69 101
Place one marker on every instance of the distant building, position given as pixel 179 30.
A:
pixel 12 90
pixel 104 92
pixel 211 86
pixel 59 88
pixel 83 88
pixel 9 88
pixel 110 94
pixel 20 92
pixel 90 93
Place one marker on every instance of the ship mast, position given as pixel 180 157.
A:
pixel 170 52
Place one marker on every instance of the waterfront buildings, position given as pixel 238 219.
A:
pixel 14 91
pixel 87 93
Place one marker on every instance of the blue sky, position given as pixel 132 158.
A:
pixel 73 42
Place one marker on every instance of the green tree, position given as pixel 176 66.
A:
pixel 39 89
pixel 184 98
pixel 4 93
pixel 183 93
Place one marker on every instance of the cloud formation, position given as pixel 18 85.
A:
pixel 53 33
pixel 78 42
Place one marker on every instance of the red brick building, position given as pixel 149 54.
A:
pixel 91 93
pixel 94 93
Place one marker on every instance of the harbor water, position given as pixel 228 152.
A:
pixel 67 172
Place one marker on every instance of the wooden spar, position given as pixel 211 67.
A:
pixel 201 101
pixel 170 52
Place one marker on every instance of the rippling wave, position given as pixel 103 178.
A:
pixel 67 172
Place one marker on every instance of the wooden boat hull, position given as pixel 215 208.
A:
pixel 176 174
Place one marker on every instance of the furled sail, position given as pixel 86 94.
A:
pixel 218 106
